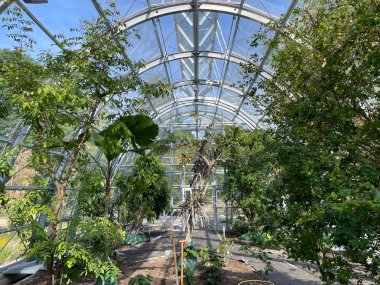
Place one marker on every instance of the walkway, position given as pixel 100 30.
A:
pixel 285 271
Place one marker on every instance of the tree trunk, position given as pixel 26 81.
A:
pixel 54 226
pixel 49 271
pixel 108 189
pixel 137 222
pixel 61 187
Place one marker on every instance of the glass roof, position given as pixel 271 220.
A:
pixel 196 46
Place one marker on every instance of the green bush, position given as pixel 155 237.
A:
pixel 211 266
pixel 259 238
pixel 190 254
pixel 240 226
pixel 73 261
pixel 91 196
pixel 100 235
pixel 140 280
pixel 144 192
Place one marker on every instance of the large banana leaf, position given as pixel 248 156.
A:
pixel 139 131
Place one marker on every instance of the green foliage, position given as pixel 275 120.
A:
pixel 143 130
pixel 324 101
pixel 91 196
pixel 18 28
pixel 73 261
pixel 211 266
pixel 190 254
pixel 99 236
pixel 132 239
pixel 6 169
pixel 136 130
pixel 5 104
pixel 58 96
pixel 24 212
pixel 87 256
pixel 240 226
pixel 250 158
pixel 140 279
pixel 144 191
pixel 225 250
pixel 259 238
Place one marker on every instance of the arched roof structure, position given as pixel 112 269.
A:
pixel 195 45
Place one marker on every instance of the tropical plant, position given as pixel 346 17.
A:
pixel 144 191
pixel 91 195
pixel 73 261
pixel 323 99
pixel 140 279
pixel 59 98
pixel 240 225
pixel 100 236
pixel 206 154
pixel 211 265
pixel 134 131
pixel 250 159
pixel 190 254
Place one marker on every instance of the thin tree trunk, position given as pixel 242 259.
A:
pixel 49 270
pixel 61 187
pixel 108 188
pixel 137 223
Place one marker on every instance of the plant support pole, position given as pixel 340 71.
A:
pixel 175 261
pixel 182 242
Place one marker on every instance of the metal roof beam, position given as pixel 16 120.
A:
pixel 213 83
pixel 227 61
pixel 4 4
pixel 208 54
pixel 267 54
pixel 196 58
pixel 111 30
pixel 38 23
pixel 202 5
pixel 207 101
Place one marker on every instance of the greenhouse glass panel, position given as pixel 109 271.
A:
pixel 271 7
pixel 155 74
pixel 230 97
pixel 59 17
pixel 39 40
pixel 234 74
pixel 225 25
pixel 175 71
pixel 144 46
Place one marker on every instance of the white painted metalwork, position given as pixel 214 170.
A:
pixel 206 54
pixel 170 8
pixel 207 101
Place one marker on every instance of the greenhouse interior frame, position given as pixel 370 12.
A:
pixel 164 133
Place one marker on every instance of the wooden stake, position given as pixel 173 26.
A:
pixel 182 242
pixel 175 260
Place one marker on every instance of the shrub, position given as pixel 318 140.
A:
pixel 100 235
pixel 140 280
pixel 240 226
pixel 211 266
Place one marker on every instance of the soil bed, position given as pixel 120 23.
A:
pixel 162 271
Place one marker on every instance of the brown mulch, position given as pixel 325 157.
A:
pixel 161 269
